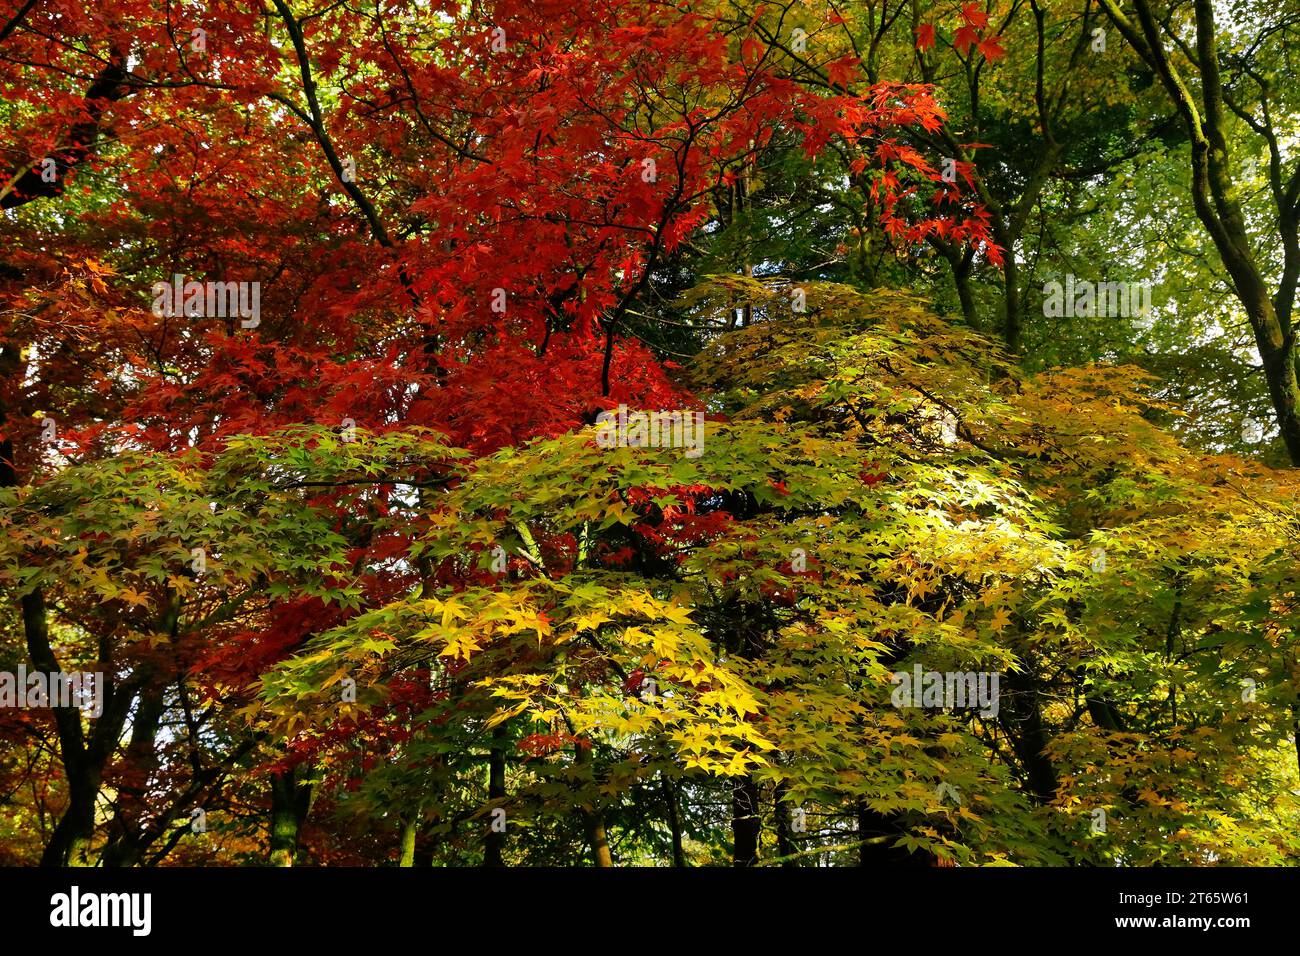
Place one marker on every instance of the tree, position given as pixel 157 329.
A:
pixel 1211 75
pixel 327 336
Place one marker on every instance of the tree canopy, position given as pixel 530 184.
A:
pixel 513 432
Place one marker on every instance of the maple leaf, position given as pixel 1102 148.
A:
pixel 925 36
pixel 974 16
pixel 132 596
pixel 991 47
pixel 840 71
pixel 965 38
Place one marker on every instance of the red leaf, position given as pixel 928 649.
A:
pixel 992 49
pixel 964 39
pixel 974 16
pixel 841 71
pixel 925 36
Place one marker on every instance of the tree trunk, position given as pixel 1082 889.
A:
pixel 674 819
pixel 594 820
pixel 126 845
pixel 1011 330
pixel 290 801
pixel 876 833
pixel 494 848
pixel 409 830
pixel 1215 199
pixel 1022 719
pixel 745 821
pixel 960 264
pixel 70 843
pixel 600 855
pixel 785 847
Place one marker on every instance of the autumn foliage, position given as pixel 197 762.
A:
pixel 365 584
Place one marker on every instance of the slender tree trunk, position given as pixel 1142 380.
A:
pixel 126 846
pixel 1011 325
pixel 785 847
pixel 1022 719
pixel 593 819
pixel 674 819
pixel 70 843
pixel 410 828
pixel 600 855
pixel 960 263
pixel 290 801
pixel 494 847
pixel 1283 389
pixel 746 824
pixel 1295 729
pixel 961 278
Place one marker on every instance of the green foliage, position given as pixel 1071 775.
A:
pixel 951 512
